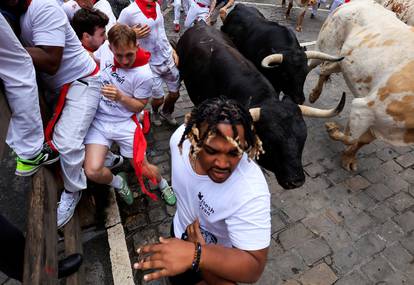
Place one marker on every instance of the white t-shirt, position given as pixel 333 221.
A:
pixel 233 213
pixel 71 7
pixel 105 7
pixel 45 24
pixel 134 82
pixel 157 42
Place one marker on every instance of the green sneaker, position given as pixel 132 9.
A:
pixel 124 191
pixel 168 195
pixel 27 167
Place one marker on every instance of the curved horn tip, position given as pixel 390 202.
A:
pixel 341 104
pixel 274 59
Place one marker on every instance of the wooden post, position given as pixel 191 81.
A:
pixel 4 121
pixel 40 260
pixel 73 244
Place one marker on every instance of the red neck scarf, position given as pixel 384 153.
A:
pixel 88 49
pixel 141 58
pixel 148 8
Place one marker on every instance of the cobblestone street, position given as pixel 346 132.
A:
pixel 340 227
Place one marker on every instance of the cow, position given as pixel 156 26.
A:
pixel 211 66
pixel 403 9
pixel 273 48
pixel 378 69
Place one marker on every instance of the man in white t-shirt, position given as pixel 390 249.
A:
pixel 200 10
pixel 72 6
pixel 127 86
pixel 223 201
pixel 146 18
pixel 25 133
pixel 89 26
pixel 66 68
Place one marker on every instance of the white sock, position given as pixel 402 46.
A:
pixel 163 183
pixel 116 181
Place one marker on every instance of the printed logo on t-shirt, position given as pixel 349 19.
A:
pixel 120 79
pixel 205 208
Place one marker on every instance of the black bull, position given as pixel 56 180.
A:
pixel 257 38
pixel 210 67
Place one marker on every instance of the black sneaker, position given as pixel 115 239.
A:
pixel 27 167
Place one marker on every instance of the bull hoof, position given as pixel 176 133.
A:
pixel 349 163
pixel 314 96
pixel 333 130
pixel 331 126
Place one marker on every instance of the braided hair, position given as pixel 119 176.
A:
pixel 212 112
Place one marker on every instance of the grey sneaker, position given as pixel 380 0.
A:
pixel 155 119
pixel 124 191
pixel 168 195
pixel 67 206
pixel 168 117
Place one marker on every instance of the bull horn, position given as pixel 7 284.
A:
pixel 312 54
pixel 321 113
pixel 255 113
pixel 276 58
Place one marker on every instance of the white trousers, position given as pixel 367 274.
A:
pixel 196 13
pixel 25 133
pixel 177 9
pixel 81 104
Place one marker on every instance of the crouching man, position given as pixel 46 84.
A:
pixel 221 230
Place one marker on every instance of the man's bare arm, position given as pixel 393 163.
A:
pixel 46 58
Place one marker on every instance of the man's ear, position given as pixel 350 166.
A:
pixel 85 37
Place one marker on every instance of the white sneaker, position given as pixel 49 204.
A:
pixel 168 117
pixel 67 206
pixel 155 119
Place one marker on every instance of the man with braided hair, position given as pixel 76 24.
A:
pixel 223 201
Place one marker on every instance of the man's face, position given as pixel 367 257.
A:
pixel 96 40
pixel 219 157
pixel 124 54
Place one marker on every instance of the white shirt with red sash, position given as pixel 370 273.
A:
pixel 134 82
pixel 157 42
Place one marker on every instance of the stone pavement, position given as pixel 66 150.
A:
pixel 340 227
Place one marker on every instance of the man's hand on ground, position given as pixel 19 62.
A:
pixel 171 257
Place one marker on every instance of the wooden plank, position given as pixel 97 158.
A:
pixel 40 261
pixel 73 244
pixel 5 115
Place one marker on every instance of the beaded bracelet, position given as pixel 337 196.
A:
pixel 197 256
